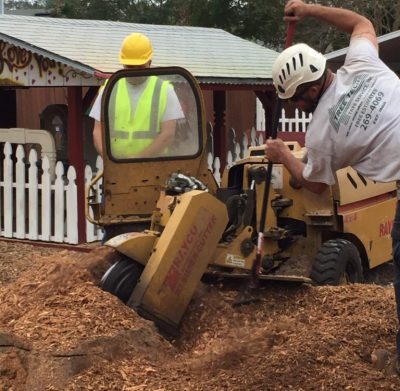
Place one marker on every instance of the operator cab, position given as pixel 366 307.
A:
pixel 139 108
pixel 153 129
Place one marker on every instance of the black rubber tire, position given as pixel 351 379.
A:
pixel 121 278
pixel 337 261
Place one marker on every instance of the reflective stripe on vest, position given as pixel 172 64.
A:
pixel 134 128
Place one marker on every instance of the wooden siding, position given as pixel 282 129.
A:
pixel 32 101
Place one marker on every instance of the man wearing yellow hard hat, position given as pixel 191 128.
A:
pixel 143 110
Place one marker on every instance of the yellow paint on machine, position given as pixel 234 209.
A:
pixel 374 235
pixel 180 257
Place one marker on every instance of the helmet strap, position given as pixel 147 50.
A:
pixel 314 101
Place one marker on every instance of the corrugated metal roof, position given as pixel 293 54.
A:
pixel 388 52
pixel 208 53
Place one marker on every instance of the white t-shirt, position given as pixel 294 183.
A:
pixel 173 108
pixel 357 121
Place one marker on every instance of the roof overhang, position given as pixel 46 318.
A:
pixel 208 83
pixel 88 50
pixel 32 66
pixel 26 65
pixel 388 52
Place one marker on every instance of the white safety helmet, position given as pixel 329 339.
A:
pixel 296 65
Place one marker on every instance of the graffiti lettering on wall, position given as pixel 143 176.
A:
pixel 19 66
pixel 46 65
pixel 13 56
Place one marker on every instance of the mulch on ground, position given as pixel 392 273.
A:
pixel 59 331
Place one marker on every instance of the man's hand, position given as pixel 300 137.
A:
pixel 276 150
pixel 295 10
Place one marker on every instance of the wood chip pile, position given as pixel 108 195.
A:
pixel 59 331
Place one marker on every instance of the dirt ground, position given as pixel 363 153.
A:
pixel 59 331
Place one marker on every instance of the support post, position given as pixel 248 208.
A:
pixel 220 147
pixel 269 101
pixel 76 153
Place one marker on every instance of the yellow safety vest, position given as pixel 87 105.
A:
pixel 134 128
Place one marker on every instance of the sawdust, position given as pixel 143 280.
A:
pixel 299 265
pixel 59 331
pixel 17 257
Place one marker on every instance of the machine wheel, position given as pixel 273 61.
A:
pixel 121 278
pixel 337 262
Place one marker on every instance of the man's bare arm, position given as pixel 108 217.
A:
pixel 162 141
pixel 296 167
pixel 97 137
pixel 343 19
pixel 277 151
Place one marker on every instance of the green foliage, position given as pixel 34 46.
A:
pixel 87 9
pixel 21 4
pixel 262 22
pixel 385 14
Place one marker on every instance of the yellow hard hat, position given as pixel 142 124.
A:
pixel 136 50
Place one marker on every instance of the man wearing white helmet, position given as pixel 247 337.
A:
pixel 356 116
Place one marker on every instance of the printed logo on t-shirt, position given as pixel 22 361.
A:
pixel 360 106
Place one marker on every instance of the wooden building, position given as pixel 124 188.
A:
pixel 50 71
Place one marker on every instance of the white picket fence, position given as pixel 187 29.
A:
pixel 94 232
pixel 298 123
pixel 39 204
